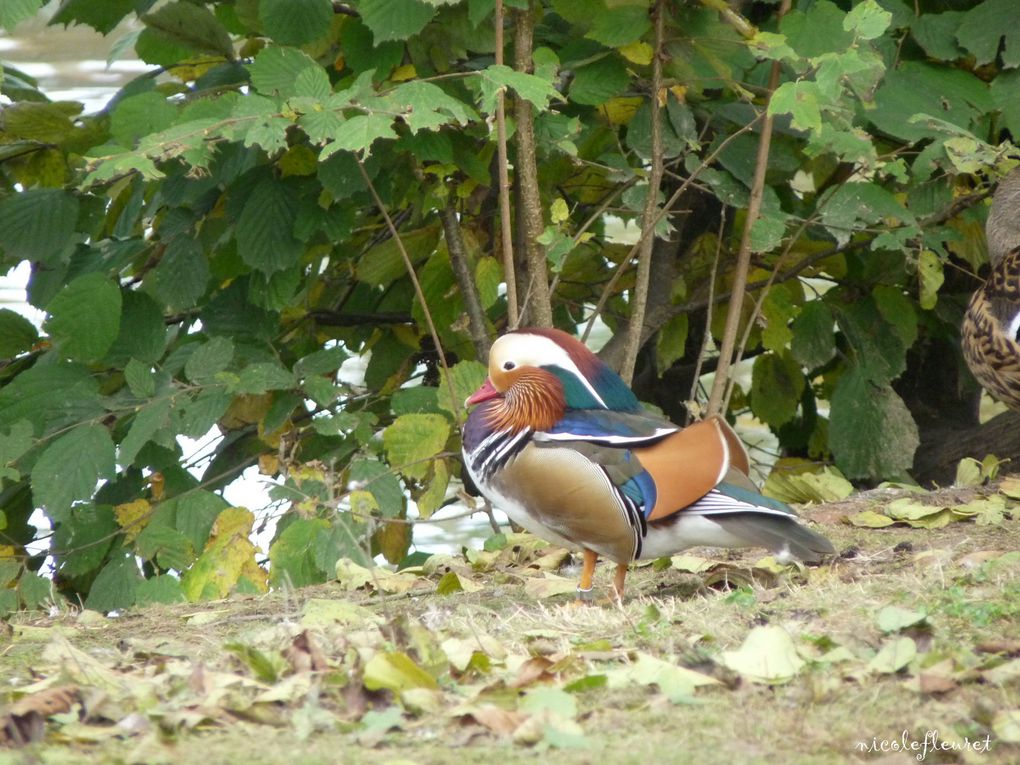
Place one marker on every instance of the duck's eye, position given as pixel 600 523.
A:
pixel 508 365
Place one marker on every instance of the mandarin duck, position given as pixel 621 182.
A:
pixel 990 327
pixel 560 443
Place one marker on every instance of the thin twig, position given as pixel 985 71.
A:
pixel 417 286
pixel 729 338
pixel 649 215
pixel 707 336
pixel 505 222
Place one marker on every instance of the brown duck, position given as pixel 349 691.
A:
pixel 992 322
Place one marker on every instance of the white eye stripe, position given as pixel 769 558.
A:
pixel 539 351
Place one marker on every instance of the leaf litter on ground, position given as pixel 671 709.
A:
pixel 487 650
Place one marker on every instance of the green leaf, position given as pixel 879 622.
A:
pixel 116 586
pixel 936 33
pixel 814 335
pixel 984 26
pixel 38 225
pixel 265 227
pixel 427 106
pixel 191 26
pixel 868 19
pixel 17 334
pixel 381 483
pixel 527 86
pixel 143 332
pixel 953 95
pixel 777 383
pixel 898 311
pixel 209 359
pixel 871 432
pixel 137 116
pixel 801 100
pixel 466 377
pixel 275 70
pixel 671 342
pixel 13 12
pixel 488 277
pixel 159 589
pixel 896 654
pixel 166 546
pixel 321 362
pixel 292 559
pixel 85 317
pixel 854 204
pixel 395 19
pixel 14 443
pixel 296 22
pixel 599 81
pixel 263 376
pixel 413 439
pixel 767 655
pixel 182 275
pixel 817 32
pixel 102 17
pixel 359 133
pixel 50 396
pixel 148 422
pixel 383 264
pixel 82 540
pixel 619 25
pixel 196 511
pixel 70 467
pixel 894 618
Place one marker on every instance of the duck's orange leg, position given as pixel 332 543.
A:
pixel 618 579
pixel 585 588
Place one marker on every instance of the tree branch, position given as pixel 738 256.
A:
pixel 465 280
pixel 538 307
pixel 505 221
pixel 729 338
pixel 417 284
pixel 649 215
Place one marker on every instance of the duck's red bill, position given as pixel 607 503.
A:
pixel 484 393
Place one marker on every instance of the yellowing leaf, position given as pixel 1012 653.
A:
pixel 620 111
pixel 229 557
pixel 413 439
pixel 548 585
pixel 397 672
pixel 322 612
pixel 404 73
pixel 1010 487
pixel 869 519
pixel 133 517
pixel 637 52
pixel 767 655
pixel 558 210
pixel 432 498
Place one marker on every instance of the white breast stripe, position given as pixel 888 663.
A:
pixel 659 433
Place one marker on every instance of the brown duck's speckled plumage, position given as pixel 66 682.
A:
pixel 989 346
pixel 989 332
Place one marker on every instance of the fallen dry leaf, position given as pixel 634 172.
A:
pixel 305 655
pixel 25 720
